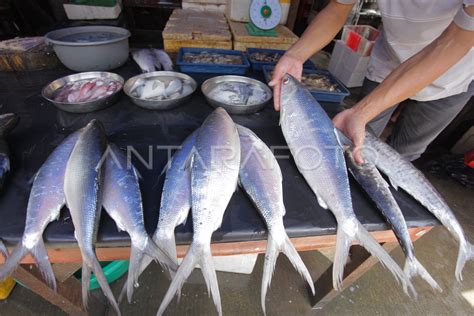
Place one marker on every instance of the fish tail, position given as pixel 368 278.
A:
pixel 167 261
pixel 466 252
pixel 136 256
pixel 39 253
pixel 12 261
pixel 414 267
pixel 168 245
pixel 343 243
pixel 144 263
pixel 275 245
pixel 201 254
pixel 85 282
pixel 94 265
pixel 374 248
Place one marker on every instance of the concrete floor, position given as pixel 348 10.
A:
pixel 376 293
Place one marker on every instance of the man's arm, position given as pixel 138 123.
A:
pixel 320 32
pixel 410 77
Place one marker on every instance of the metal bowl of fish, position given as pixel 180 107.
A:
pixel 160 90
pixel 84 92
pixel 236 94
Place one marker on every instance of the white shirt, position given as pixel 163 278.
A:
pixel 408 27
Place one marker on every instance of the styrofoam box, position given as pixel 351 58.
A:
pixel 348 66
pixel 88 12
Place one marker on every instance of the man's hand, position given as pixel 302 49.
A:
pixel 352 124
pixel 286 65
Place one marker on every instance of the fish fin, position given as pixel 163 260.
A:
pixel 167 261
pixel 157 64
pixel 342 139
pixel 322 203
pixel 168 245
pixel 136 256
pixel 466 252
pixel 3 250
pixel 374 248
pixel 18 253
pixel 393 183
pixel 201 254
pixel 85 280
pixel 275 245
pixel 343 243
pixel 40 254
pixel 414 267
pixel 99 274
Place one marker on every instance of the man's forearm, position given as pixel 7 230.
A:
pixel 321 31
pixel 417 72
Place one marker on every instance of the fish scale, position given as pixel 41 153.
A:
pixel 312 140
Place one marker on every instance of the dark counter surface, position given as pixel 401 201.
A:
pixel 42 127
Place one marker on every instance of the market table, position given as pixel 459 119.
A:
pixel 42 127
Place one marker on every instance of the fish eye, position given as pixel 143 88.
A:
pixel 286 80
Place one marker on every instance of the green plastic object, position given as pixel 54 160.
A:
pixel 113 271
pixel 99 3
pixel 255 31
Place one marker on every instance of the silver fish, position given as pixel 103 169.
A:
pixel 214 174
pixel 145 59
pixel 163 59
pixel 175 86
pixel 175 202
pixel 82 187
pixel 7 123
pixel 378 190
pixel 153 88
pixel 261 178
pixel 44 206
pixel 403 174
pixel 122 200
pixel 313 143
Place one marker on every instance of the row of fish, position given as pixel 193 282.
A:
pixel 151 59
pixel 306 125
pixel 86 90
pixel 77 175
pixel 238 93
pixel 265 57
pixel 159 89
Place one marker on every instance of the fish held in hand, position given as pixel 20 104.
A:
pixel 44 206
pixel 405 175
pixel 261 178
pixel 122 200
pixel 214 174
pixel 378 190
pixel 83 186
pixel 312 140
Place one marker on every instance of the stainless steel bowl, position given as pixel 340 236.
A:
pixel 210 84
pixel 82 107
pixel 164 76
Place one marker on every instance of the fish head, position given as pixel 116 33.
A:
pixel 289 85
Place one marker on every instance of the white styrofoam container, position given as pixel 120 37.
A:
pixel 348 66
pixel 89 12
pixel 238 10
pixel 205 7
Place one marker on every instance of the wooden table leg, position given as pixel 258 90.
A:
pixel 361 262
pixel 68 296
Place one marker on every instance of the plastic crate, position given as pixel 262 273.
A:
pixel 212 68
pixel 257 65
pixel 320 95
